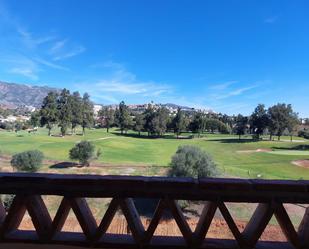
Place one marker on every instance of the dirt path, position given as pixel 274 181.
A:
pixel 218 228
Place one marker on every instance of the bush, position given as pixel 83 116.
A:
pixel 304 134
pixel 83 152
pixel 191 161
pixel 29 161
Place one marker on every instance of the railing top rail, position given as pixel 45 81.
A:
pixel 226 189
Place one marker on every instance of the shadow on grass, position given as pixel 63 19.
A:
pixel 233 140
pixel 143 136
pixel 64 165
pixel 297 147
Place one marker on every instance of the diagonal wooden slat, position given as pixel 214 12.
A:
pixel 231 224
pixel 257 223
pixel 128 208
pixel 107 218
pixel 84 216
pixel 286 225
pixel 204 222
pixel 60 217
pixel 303 230
pixel 2 213
pixel 15 215
pixel 155 221
pixel 180 220
pixel 39 215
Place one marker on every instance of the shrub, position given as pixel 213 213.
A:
pixel 29 161
pixel 83 152
pixel 191 161
pixel 304 134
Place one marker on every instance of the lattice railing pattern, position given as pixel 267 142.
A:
pixel 28 189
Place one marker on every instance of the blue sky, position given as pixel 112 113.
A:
pixel 226 55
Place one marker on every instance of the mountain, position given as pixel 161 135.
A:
pixel 14 95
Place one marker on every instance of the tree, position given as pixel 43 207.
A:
pixel 64 111
pixel 84 151
pixel 197 125
pixel 29 161
pixel 18 126
pixel 49 112
pixel 107 117
pixel 259 120
pixel 241 125
pixel 179 122
pixel 123 118
pixel 76 108
pixel 191 161
pixel 35 119
pixel 158 124
pixel 148 116
pixel 280 118
pixel 293 121
pixel 87 112
pixel 139 123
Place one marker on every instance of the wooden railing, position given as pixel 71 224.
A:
pixel 28 189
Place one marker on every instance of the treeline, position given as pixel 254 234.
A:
pixel 156 121
pixel 65 110
pixel 68 111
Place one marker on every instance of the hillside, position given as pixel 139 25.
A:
pixel 14 95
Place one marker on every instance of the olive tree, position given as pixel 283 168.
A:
pixel 29 161
pixel 84 151
pixel 191 161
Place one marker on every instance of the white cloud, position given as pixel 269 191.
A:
pixel 24 71
pixel 63 49
pixel 234 92
pixel 222 86
pixel 120 83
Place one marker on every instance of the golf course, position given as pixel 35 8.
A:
pixel 140 155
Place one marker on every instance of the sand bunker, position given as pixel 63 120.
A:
pixel 301 163
pixel 254 151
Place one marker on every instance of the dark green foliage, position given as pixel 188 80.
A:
pixel 123 118
pixel 241 125
pixel 191 161
pixel 179 122
pixel 212 124
pixel 87 112
pixel 83 152
pixel 64 111
pixel 18 126
pixel 259 120
pixel 158 124
pixel 107 117
pixel 304 134
pixel 49 111
pixel 76 109
pixel 29 161
pixel 197 125
pixel 139 123
pixel 35 119
pixel 281 117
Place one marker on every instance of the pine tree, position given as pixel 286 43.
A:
pixel 107 117
pixel 76 107
pixel 123 118
pixel 179 122
pixel 139 123
pixel 87 112
pixel 64 111
pixel 49 111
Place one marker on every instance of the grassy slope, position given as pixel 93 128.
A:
pixel 133 150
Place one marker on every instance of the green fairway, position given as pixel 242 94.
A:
pixel 290 152
pixel 244 158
